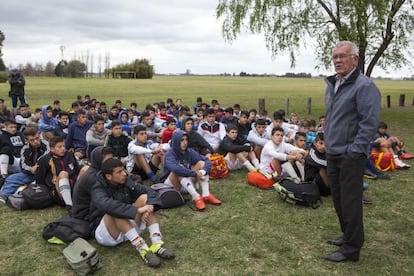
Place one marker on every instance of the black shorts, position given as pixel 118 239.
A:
pixel 139 171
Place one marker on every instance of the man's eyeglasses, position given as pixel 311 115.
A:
pixel 341 57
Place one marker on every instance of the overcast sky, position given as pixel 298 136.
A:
pixel 175 35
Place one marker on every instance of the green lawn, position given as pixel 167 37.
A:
pixel 253 232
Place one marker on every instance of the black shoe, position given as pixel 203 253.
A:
pixel 337 242
pixel 338 257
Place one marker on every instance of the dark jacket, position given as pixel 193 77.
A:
pixel 31 156
pixel 234 146
pixel 50 166
pixel 195 140
pixel 77 135
pixel 352 114
pixel 180 162
pixel 61 130
pixel 116 200
pixel 81 196
pixel 17 83
pixel 119 144
pixel 11 144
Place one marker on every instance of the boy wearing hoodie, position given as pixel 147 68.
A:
pixel 47 123
pixel 184 167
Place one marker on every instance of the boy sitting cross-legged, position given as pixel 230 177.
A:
pixel 144 155
pixel 238 151
pixel 58 170
pixel 184 167
pixel 120 211
pixel 276 152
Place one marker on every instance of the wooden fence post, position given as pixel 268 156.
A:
pixel 287 106
pixel 309 105
pixel 402 100
pixel 388 101
pixel 262 106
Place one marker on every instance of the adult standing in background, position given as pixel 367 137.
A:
pixel 353 104
pixel 17 83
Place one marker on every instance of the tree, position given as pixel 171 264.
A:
pixel 142 68
pixel 382 29
pixel 74 69
pixel 2 38
pixel 59 68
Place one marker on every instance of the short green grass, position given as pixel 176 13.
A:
pixel 253 232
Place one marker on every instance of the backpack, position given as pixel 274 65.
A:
pixel 383 161
pixel 218 166
pixel 82 257
pixel 258 180
pixel 37 196
pixel 169 196
pixel 67 229
pixel 300 193
pixel 16 200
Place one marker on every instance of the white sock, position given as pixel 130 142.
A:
pixel 155 233
pixel 189 187
pixel 256 163
pixel 136 240
pixel 64 191
pixel 4 164
pixel 249 165
pixel 205 186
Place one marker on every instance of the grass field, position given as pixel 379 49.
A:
pixel 253 232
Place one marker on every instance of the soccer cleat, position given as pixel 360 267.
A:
pixel 162 252
pixel 199 204
pixel 400 164
pixel 365 186
pixel 150 259
pixel 406 155
pixel 211 199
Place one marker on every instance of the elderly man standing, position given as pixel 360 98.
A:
pixel 353 104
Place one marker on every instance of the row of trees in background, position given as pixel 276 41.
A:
pixel 75 68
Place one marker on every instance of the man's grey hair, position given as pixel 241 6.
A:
pixel 353 46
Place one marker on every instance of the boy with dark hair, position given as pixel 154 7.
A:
pixel 62 127
pixel 56 108
pixel 185 167
pixel 387 143
pixel 153 130
pixel 243 125
pixel 237 151
pixel 276 152
pixel 315 165
pixel 120 211
pixel 76 138
pixel 31 152
pixel 11 143
pixel 96 134
pixel 144 156
pixel 167 133
pixel 211 130
pixel 58 170
pixel 118 141
pixel 228 117
pixel 258 135
pixel 22 116
pixel 33 121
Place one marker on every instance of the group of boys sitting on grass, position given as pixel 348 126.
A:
pixel 94 161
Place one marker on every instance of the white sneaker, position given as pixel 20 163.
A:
pixel 400 164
